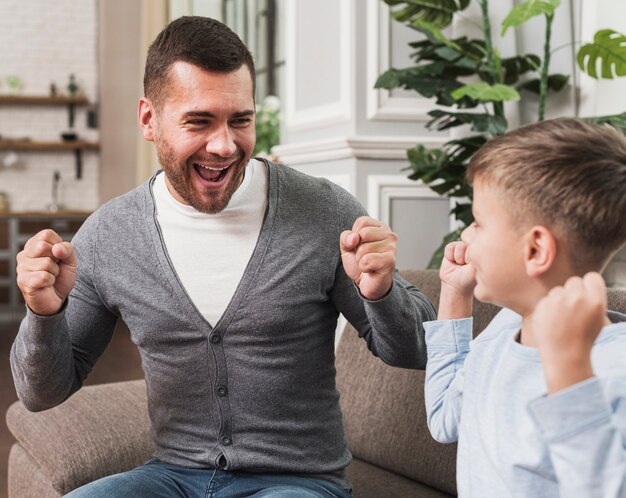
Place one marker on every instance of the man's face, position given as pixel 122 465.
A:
pixel 495 247
pixel 204 133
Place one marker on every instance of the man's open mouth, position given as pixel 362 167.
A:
pixel 211 173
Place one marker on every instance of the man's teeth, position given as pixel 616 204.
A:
pixel 212 168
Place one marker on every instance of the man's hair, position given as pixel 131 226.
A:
pixel 567 174
pixel 201 41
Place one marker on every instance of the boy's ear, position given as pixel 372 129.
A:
pixel 539 251
pixel 145 115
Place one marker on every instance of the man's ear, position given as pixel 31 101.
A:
pixel 146 114
pixel 539 251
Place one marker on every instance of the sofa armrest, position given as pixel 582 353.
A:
pixel 101 430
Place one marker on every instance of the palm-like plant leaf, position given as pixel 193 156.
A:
pixel 443 170
pixel 425 163
pixel 460 150
pixel 527 10
pixel 424 80
pixel 429 50
pixel 481 122
pixel 514 67
pixel 616 120
pixel 609 49
pixel 437 257
pixel 436 12
pixel 463 212
pixel 556 82
pixel 485 92
pixel 435 35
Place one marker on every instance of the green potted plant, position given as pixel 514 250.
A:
pixel 442 66
pixel 267 126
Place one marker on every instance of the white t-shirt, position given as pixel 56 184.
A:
pixel 210 252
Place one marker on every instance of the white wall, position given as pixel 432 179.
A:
pixel 43 41
pixel 602 97
pixel 337 126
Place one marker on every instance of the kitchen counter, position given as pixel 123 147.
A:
pixel 45 214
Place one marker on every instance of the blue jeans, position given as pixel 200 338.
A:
pixel 159 479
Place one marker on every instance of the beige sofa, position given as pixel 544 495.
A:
pixel 105 429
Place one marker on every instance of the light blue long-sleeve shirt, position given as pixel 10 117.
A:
pixel 489 394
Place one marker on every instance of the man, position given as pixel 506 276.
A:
pixel 230 274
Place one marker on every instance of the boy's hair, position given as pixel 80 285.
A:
pixel 201 41
pixel 567 174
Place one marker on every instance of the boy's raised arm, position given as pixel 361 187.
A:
pixel 566 323
pixel 447 342
pixel 583 417
pixel 458 280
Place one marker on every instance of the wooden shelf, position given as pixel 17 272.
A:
pixel 31 145
pixel 42 100
pixel 25 145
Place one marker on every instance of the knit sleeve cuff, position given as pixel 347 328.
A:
pixel 448 335
pixel 380 299
pixel 571 410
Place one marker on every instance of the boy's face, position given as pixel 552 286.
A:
pixel 495 247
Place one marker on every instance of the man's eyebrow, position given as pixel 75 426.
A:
pixel 243 114
pixel 206 114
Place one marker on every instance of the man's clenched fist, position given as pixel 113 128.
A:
pixel 368 252
pixel 46 272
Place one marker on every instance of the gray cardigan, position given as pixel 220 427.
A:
pixel 255 391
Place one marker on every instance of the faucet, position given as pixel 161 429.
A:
pixel 54 206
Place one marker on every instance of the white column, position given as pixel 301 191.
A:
pixel 336 125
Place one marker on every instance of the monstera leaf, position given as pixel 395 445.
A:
pixel 436 12
pixel 527 10
pixel 609 48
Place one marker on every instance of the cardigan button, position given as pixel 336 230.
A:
pixel 226 441
pixel 222 391
pixel 215 338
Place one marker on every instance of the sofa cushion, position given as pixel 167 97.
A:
pixel 383 406
pixel 373 482
pixel 617 300
pixel 26 479
pixel 79 440
pixel 385 418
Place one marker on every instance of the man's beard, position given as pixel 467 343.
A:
pixel 179 176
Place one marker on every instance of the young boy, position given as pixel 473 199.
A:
pixel 537 402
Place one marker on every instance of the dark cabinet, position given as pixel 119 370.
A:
pixel 15 230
